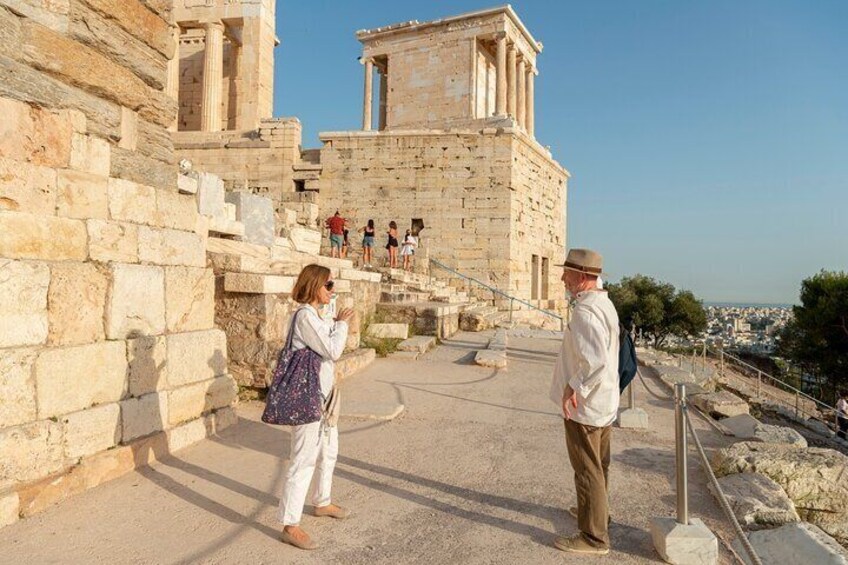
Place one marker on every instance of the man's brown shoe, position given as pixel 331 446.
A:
pixel 300 539
pixel 576 544
pixel 332 511
pixel 573 511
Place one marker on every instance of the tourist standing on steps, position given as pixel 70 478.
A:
pixel 392 245
pixel 842 414
pixel 315 446
pixel 408 250
pixel 368 233
pixel 336 224
pixel 585 386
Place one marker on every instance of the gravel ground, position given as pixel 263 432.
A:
pixel 474 470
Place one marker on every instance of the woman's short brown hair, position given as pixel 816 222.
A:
pixel 309 283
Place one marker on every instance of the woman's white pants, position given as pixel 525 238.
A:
pixel 312 458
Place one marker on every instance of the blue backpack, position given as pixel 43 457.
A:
pixel 627 364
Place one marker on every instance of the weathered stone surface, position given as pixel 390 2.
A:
pixel 132 202
pixel 189 402
pixel 81 195
pixel 793 544
pixel 221 392
pixel 27 188
pixel 136 303
pixel 69 379
pixel 721 404
pixel 224 418
pixel 419 343
pixel 99 32
pixel 257 215
pixel 741 426
pixel 692 544
pixel 92 430
pixel 305 240
pixel 23 302
pixel 815 479
pixel 148 364
pixel 112 241
pixel 82 66
pixel 138 21
pixel 17 387
pixel 491 358
pixel 779 434
pixel 144 415
pixel 137 167
pixel 30 451
pixel 27 236
pixel 52 14
pixel 189 433
pixel 210 194
pixel 189 299
pixel 196 356
pixel 9 508
pixel 353 362
pixel 393 331
pixel 34 135
pixel 90 154
pixel 176 211
pixel 250 283
pixel 187 184
pixel 673 375
pixel 171 247
pixel 76 303
pixel 756 500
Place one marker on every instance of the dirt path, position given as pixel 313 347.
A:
pixel 474 471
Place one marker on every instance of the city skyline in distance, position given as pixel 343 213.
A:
pixel 706 142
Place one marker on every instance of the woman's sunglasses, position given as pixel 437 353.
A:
pixel 329 285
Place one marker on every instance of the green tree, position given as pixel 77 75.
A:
pixel 657 308
pixel 817 335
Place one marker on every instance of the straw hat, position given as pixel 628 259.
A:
pixel 584 261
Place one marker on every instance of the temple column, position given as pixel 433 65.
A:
pixel 510 81
pixel 213 72
pixel 528 117
pixel 367 99
pixel 521 101
pixel 172 87
pixel 500 87
pixel 384 93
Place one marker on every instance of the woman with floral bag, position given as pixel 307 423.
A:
pixel 303 395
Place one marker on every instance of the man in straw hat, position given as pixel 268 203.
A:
pixel 585 386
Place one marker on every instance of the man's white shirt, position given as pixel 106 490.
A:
pixel 588 360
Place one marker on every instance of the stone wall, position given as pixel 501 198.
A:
pixel 490 199
pixel 261 160
pixel 109 356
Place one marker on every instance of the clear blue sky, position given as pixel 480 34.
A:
pixel 707 141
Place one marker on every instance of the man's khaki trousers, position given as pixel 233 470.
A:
pixel 589 452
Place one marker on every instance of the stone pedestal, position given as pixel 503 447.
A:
pixel 633 418
pixel 692 544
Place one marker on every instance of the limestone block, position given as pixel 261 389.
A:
pixel 392 331
pixel 30 452
pixel 139 21
pixel 491 358
pixel 171 247
pixel 792 544
pixel 778 434
pixel 17 387
pixel 233 247
pixel 136 304
pixel 27 236
pixel 196 356
pixel 226 227
pixel 176 211
pixel 210 194
pixel 144 415
pixel 90 154
pixel 816 479
pixel 419 343
pixel 129 119
pixel 9 508
pixel 112 241
pixel 187 402
pixel 692 544
pixel 69 379
pixel 353 362
pixel 189 433
pixel 305 240
pixel 131 202
pixel 148 364
pixel 23 302
pixel 251 283
pixel 756 500
pixel 92 430
pixel 221 392
pixel 723 404
pixel 186 184
pixel 257 215
pixel 741 426
pixel 81 195
pixel 76 303
pixel 189 299
pixel 27 188
pixel 224 418
pixel 34 135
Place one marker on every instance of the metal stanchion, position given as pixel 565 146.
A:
pixel 759 382
pixel 682 450
pixel 721 361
